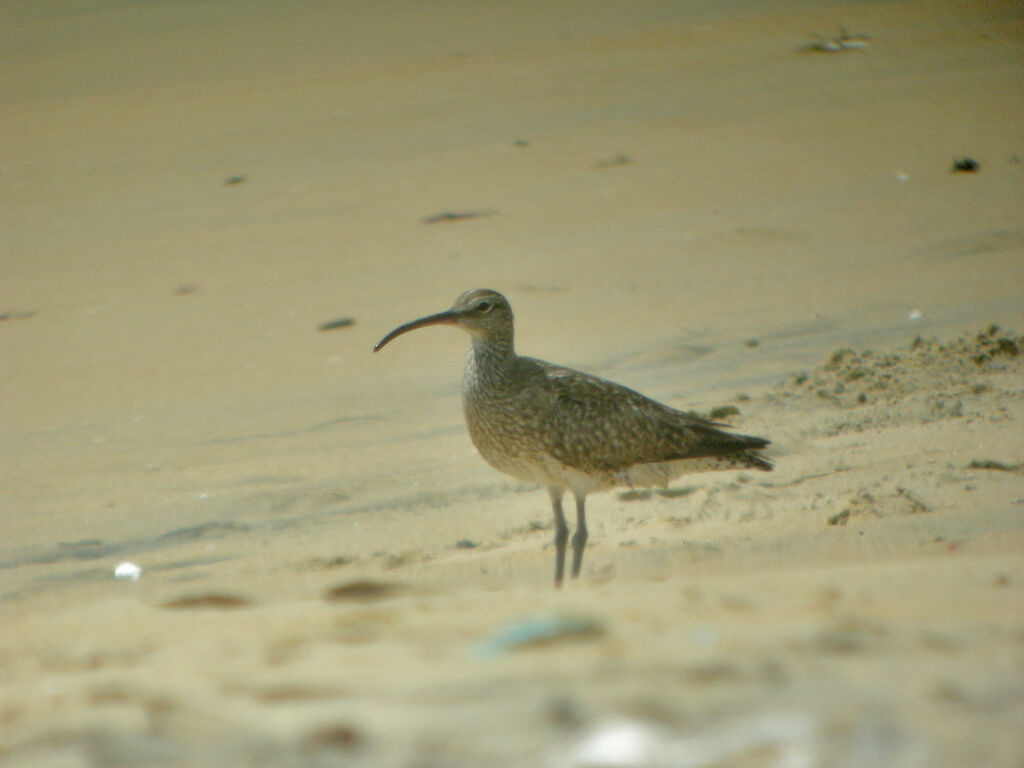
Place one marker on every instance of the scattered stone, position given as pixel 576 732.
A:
pixel 844 41
pixel 456 216
pixel 840 518
pixel 364 590
pixel 217 600
pixel 724 412
pixel 333 325
pixel 16 315
pixel 993 464
pixel 966 165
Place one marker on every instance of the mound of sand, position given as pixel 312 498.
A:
pixel 937 380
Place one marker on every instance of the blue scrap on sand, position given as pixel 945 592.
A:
pixel 530 633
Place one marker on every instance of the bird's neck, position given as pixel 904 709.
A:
pixel 489 363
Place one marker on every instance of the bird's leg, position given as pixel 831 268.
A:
pixel 579 539
pixel 561 533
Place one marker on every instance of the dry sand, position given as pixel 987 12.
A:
pixel 678 198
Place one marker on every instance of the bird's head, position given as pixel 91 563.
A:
pixel 484 314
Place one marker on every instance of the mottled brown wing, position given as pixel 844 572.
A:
pixel 595 424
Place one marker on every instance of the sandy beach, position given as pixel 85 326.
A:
pixel 716 204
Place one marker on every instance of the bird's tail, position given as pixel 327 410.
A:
pixel 749 454
pixel 755 460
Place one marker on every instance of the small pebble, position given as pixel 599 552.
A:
pixel 992 464
pixel 16 315
pixel 844 41
pixel 208 600
pixel 456 216
pixel 364 590
pixel 724 411
pixel 332 325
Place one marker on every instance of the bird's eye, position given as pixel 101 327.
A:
pixel 485 306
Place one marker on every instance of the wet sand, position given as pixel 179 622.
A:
pixel 680 198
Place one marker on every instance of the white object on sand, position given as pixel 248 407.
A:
pixel 779 741
pixel 127 570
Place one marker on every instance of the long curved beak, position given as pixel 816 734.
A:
pixel 448 317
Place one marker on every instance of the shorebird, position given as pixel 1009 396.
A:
pixel 571 431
